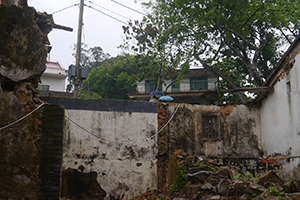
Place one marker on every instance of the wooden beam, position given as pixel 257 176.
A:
pixel 57 26
pixel 249 89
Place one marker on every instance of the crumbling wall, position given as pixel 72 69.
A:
pixel 22 61
pixel 235 132
pixel 110 143
pixel 236 128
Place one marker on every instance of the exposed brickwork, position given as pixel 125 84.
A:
pixel 50 170
pixel 162 157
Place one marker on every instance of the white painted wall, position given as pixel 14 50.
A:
pixel 280 120
pixel 141 86
pixel 185 85
pixel 117 165
pixel 211 83
pixel 56 84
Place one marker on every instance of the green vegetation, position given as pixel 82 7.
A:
pixel 273 191
pixel 202 164
pixel 86 94
pixel 181 179
pixel 112 79
pixel 248 176
pixel 241 47
pixel 92 57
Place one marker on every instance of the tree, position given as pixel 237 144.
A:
pixel 113 78
pixel 215 32
pixel 89 58
pixel 156 58
pixel 92 57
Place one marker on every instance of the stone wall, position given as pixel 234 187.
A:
pixel 107 146
pixel 22 61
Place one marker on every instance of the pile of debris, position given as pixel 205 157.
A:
pixel 206 180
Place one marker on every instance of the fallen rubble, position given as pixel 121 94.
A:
pixel 207 180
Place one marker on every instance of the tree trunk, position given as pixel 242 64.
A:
pixel 165 91
pixel 226 78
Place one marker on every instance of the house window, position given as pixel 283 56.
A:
pixel 175 87
pixel 44 87
pixel 150 86
pixel 210 126
pixel 198 83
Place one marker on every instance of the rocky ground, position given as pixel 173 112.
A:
pixel 206 180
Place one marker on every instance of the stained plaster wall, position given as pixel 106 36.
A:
pixel 239 131
pixel 280 124
pixel 124 170
pixel 239 136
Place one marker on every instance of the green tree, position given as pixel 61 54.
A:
pixel 213 32
pixel 156 58
pixel 89 58
pixel 113 78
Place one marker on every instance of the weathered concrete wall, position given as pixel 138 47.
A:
pixel 238 134
pixel 238 126
pixel 280 124
pixel 124 170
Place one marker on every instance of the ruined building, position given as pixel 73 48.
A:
pixel 120 149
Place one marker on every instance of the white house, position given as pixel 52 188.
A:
pixel 198 87
pixel 54 77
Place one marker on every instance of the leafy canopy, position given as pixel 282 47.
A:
pixel 232 38
pixel 113 78
pixel 156 58
pixel 89 58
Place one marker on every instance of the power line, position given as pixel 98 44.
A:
pixel 106 14
pixel 128 7
pixel 4 127
pixel 65 8
pixel 109 10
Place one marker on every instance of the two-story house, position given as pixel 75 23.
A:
pixel 53 80
pixel 198 87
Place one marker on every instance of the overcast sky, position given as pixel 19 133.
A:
pixel 98 30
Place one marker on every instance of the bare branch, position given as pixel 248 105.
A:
pixel 286 37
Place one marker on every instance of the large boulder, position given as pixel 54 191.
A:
pixel 23 52
pixel 22 48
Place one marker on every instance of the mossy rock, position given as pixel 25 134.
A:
pixel 22 51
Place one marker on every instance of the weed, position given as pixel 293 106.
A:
pixel 161 198
pixel 248 176
pixel 273 191
pixel 256 193
pixel 239 176
pixel 202 164
pixel 180 180
pixel 199 164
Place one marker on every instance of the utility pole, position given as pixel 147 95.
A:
pixel 78 48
